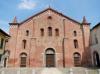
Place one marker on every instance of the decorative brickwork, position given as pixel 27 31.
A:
pixel 37 43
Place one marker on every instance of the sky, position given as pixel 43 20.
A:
pixel 23 9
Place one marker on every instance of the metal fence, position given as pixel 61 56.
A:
pixel 49 71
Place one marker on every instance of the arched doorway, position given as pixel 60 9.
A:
pixel 50 57
pixel 23 60
pixel 96 59
pixel 77 59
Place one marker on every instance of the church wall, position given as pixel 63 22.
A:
pixel 36 44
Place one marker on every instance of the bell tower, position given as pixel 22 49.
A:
pixel 13 40
pixel 86 42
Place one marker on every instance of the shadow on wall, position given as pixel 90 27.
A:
pixel 96 59
pixel 86 58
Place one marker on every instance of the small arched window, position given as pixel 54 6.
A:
pixel 0 57
pixel 75 43
pixel 50 51
pixel 49 17
pixel 49 31
pixel 42 31
pixel 23 59
pixel 77 59
pixel 27 32
pixel 24 44
pixel 75 33
pixel 57 32
pixel 96 39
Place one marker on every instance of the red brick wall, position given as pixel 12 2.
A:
pixel 36 45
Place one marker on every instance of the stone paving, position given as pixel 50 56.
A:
pixel 49 71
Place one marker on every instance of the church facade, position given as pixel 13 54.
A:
pixel 49 39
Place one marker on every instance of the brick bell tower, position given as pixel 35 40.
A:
pixel 86 42
pixel 12 42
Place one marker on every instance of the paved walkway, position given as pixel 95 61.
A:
pixel 50 71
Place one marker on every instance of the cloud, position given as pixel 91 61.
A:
pixel 26 4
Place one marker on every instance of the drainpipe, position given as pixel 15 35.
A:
pixel 16 46
pixel 63 48
pixel 83 37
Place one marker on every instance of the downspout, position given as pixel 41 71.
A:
pixel 83 37
pixel 31 44
pixel 63 48
pixel 30 50
pixel 16 45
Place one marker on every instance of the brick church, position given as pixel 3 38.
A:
pixel 49 39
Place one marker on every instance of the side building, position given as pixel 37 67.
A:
pixel 95 45
pixel 3 52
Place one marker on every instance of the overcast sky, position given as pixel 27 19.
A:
pixel 22 9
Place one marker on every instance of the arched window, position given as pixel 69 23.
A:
pixel 77 59
pixel 49 31
pixel 5 57
pixel 2 42
pixel 75 43
pixel 23 59
pixel 57 32
pixel 96 39
pixel 27 32
pixel 24 44
pixel 5 61
pixel 96 59
pixel 49 17
pixel 50 51
pixel 0 57
pixel 75 33
pixel 42 31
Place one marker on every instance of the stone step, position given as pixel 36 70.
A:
pixel 49 71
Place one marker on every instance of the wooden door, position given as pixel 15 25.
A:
pixel 50 60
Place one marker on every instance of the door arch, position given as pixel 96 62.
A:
pixel 77 59
pixel 50 57
pixel 23 59
pixel 96 59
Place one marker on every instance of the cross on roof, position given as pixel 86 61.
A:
pixel 50 1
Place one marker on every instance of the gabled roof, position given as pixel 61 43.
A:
pixel 4 33
pixel 53 11
pixel 96 26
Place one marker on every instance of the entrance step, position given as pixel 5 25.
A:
pixel 50 71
